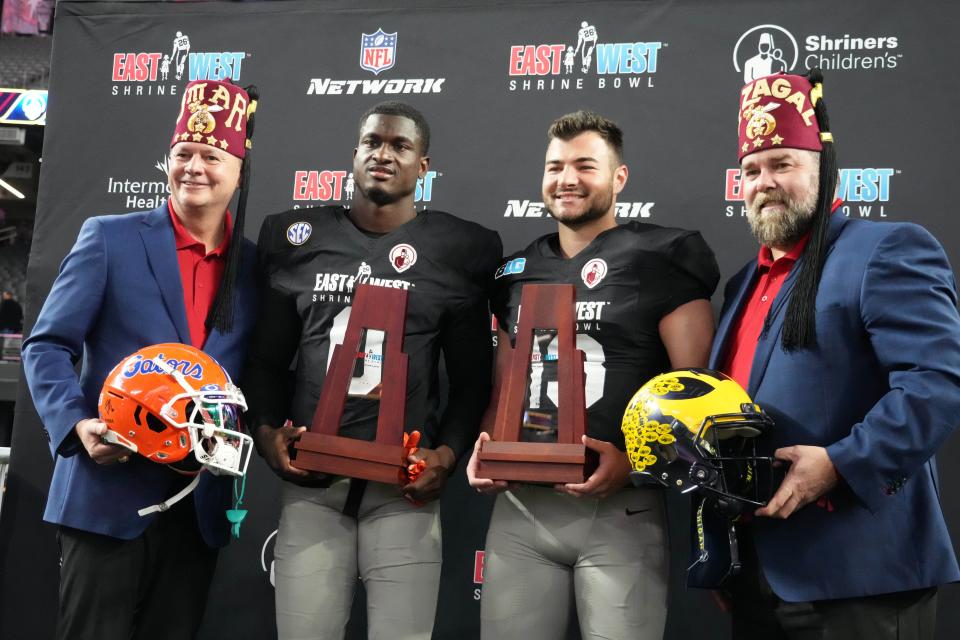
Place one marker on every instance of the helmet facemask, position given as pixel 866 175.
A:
pixel 729 469
pixel 213 422
pixel 718 456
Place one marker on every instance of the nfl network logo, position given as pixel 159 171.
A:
pixel 378 51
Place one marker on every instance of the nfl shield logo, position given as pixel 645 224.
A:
pixel 378 51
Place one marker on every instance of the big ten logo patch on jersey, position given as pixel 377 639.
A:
pixel 513 267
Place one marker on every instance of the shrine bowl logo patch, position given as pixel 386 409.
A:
pixel 593 272
pixel 298 233
pixel 403 256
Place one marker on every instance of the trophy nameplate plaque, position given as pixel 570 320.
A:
pixel 505 457
pixel 322 448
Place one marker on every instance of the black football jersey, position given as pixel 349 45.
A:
pixel 310 260
pixel 626 280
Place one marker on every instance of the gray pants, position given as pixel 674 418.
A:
pixel 546 550
pixel 393 546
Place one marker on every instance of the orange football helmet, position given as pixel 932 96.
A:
pixel 168 401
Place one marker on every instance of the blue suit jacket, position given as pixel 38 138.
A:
pixel 881 391
pixel 118 290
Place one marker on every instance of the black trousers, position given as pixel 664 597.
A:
pixel 154 586
pixel 757 612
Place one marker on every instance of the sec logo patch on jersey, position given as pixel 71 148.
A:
pixel 402 257
pixel 593 272
pixel 298 233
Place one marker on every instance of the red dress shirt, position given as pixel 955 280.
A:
pixel 200 275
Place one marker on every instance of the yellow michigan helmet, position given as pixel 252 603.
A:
pixel 696 429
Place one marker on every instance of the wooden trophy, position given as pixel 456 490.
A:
pixel 504 457
pixel 321 448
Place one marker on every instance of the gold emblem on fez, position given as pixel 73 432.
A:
pixel 202 119
pixel 760 122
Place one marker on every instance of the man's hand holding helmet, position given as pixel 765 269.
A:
pixel 91 432
pixel 811 475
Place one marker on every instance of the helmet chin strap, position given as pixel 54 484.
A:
pixel 183 493
pixel 172 500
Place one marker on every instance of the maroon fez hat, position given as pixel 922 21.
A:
pixel 777 111
pixel 215 113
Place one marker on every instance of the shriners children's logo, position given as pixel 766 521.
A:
pixel 402 257
pixel 593 272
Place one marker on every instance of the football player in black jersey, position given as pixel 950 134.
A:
pixel 334 530
pixel 643 307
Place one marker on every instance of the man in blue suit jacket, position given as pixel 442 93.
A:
pixel 174 274
pixel 846 332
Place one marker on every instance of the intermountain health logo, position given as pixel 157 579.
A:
pixel 590 61
pixel 158 73
pixel 142 192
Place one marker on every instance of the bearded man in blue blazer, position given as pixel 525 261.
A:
pixel 180 273
pixel 846 333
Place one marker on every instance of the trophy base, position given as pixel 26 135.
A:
pixel 535 462
pixel 349 457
